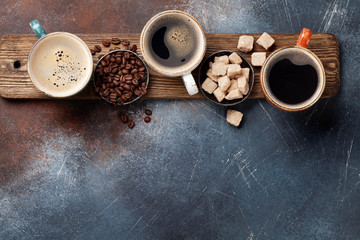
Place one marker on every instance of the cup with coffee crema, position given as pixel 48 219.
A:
pixel 59 64
pixel 173 43
pixel 293 78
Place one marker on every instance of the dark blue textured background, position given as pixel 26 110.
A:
pixel 189 174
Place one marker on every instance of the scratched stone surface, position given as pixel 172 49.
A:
pixel 72 170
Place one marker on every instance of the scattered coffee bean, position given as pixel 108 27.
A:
pixel 125 42
pixel 115 41
pixel 147 119
pixel 92 51
pixel 134 48
pixel 97 48
pixel 148 112
pixel 131 124
pixel 124 118
pixel 106 43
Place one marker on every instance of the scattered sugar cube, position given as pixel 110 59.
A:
pixel 234 117
pixel 243 85
pixel 209 85
pixel 233 85
pixel 245 72
pixel 233 69
pixel 223 59
pixel 211 76
pixel 234 94
pixel 245 43
pixel 220 95
pixel 265 41
pixel 258 58
pixel 218 69
pixel 235 58
pixel 224 83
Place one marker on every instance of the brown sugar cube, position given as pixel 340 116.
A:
pixel 218 69
pixel 224 83
pixel 243 85
pixel 211 76
pixel 234 94
pixel 234 117
pixel 258 58
pixel 233 85
pixel 223 59
pixel 245 43
pixel 233 69
pixel 235 58
pixel 245 72
pixel 220 95
pixel 209 86
pixel 265 41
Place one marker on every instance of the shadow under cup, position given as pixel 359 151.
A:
pixel 304 60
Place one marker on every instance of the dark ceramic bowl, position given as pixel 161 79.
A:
pixel 204 67
pixel 122 50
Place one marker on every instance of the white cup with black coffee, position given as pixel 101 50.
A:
pixel 173 43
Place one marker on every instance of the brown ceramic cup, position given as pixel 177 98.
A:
pixel 299 56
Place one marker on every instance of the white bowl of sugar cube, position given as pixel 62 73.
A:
pixel 226 78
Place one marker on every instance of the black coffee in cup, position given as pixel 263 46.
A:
pixel 173 43
pixel 292 83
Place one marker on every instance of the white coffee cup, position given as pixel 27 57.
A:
pixel 59 64
pixel 173 43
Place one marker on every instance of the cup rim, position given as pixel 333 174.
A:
pixel 122 50
pixel 274 103
pixel 91 65
pixel 177 74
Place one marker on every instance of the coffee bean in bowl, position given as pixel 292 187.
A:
pixel 121 77
pixel 226 78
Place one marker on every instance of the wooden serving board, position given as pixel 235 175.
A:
pixel 15 82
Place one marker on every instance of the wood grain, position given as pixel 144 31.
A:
pixel 15 82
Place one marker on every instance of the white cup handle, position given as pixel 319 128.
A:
pixel 190 84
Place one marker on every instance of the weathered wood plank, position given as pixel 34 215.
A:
pixel 15 83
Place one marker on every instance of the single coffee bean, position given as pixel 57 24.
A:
pixel 148 112
pixel 97 48
pixel 137 92
pixel 126 86
pixel 131 124
pixel 92 51
pixel 125 71
pixel 128 77
pixel 134 71
pixel 134 48
pixel 127 55
pixel 118 60
pixel 115 41
pixel 124 118
pixel 147 119
pixel 139 63
pixel 125 42
pixel 135 82
pixel 106 43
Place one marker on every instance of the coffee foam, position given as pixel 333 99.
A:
pixel 60 65
pixel 180 39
